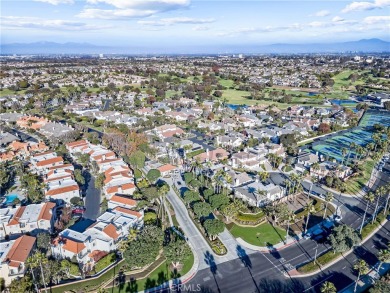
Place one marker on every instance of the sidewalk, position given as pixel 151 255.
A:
pixel 303 275
pixel 368 280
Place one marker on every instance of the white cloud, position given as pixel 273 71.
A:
pixel 176 20
pixel 376 19
pixel 114 13
pixel 337 19
pixel 321 13
pixel 361 6
pixel 131 8
pixel 266 29
pixel 200 28
pixel 56 2
pixel 15 22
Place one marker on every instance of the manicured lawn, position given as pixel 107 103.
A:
pixel 261 235
pixel 7 92
pixel 160 275
pixel 226 82
pixel 355 184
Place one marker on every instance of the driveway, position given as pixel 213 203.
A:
pixel 92 200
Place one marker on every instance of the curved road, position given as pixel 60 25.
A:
pixel 251 271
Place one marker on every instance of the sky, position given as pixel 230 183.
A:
pixel 188 23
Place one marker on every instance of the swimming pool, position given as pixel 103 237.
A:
pixel 9 199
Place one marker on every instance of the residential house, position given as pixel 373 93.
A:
pixel 13 257
pixel 33 218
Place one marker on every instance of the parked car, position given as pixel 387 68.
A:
pixel 77 211
pixel 307 236
pixel 178 183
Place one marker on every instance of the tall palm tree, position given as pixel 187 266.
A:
pixel 310 210
pixel 328 198
pixel 383 256
pixel 369 197
pixel 328 287
pixel 387 187
pixel 378 193
pixel 344 153
pixel 361 268
pixel 290 218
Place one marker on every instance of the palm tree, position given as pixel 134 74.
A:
pixel 361 268
pixel 344 153
pixel 387 187
pixel 328 287
pixel 290 218
pixel 310 210
pixel 383 256
pixel 328 198
pixel 378 193
pixel 369 197
pixel 263 176
pixel 36 260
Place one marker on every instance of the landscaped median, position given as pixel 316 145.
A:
pixel 216 244
pixel 151 276
pixel 329 257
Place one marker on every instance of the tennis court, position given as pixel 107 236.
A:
pixel 360 135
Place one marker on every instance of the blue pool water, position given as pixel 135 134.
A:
pixel 10 198
pixel 343 102
pixel 235 106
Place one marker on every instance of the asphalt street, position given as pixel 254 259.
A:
pixel 269 272
pixel 92 200
pixel 261 272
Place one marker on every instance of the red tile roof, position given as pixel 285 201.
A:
pixel 129 212
pixel 62 190
pixel 46 211
pixel 110 230
pixel 50 161
pixel 21 249
pixel 123 200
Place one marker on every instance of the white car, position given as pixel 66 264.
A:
pixel 337 218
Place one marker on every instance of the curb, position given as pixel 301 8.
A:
pixel 303 275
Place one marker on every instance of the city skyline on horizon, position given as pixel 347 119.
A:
pixel 165 24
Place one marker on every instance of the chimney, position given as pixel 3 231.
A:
pixel 207 152
pixel 120 189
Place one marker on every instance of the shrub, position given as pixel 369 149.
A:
pixel 150 218
pixel 105 262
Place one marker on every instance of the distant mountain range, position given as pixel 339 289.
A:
pixel 363 46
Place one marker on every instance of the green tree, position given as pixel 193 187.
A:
pixel 218 201
pixel 361 268
pixel 78 176
pixel 343 238
pixel 23 284
pixel 177 251
pixel 151 193
pixel 137 160
pixel 84 159
pixel 383 256
pixel 310 209
pixel 43 241
pixel 99 181
pixel 202 209
pixel 328 198
pixel 145 248
pixel 277 213
pixel 369 197
pixel 213 227
pixel 4 176
pixel 328 287
pixel 190 197
pixel 153 175
pixel 76 201
pixel 382 285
